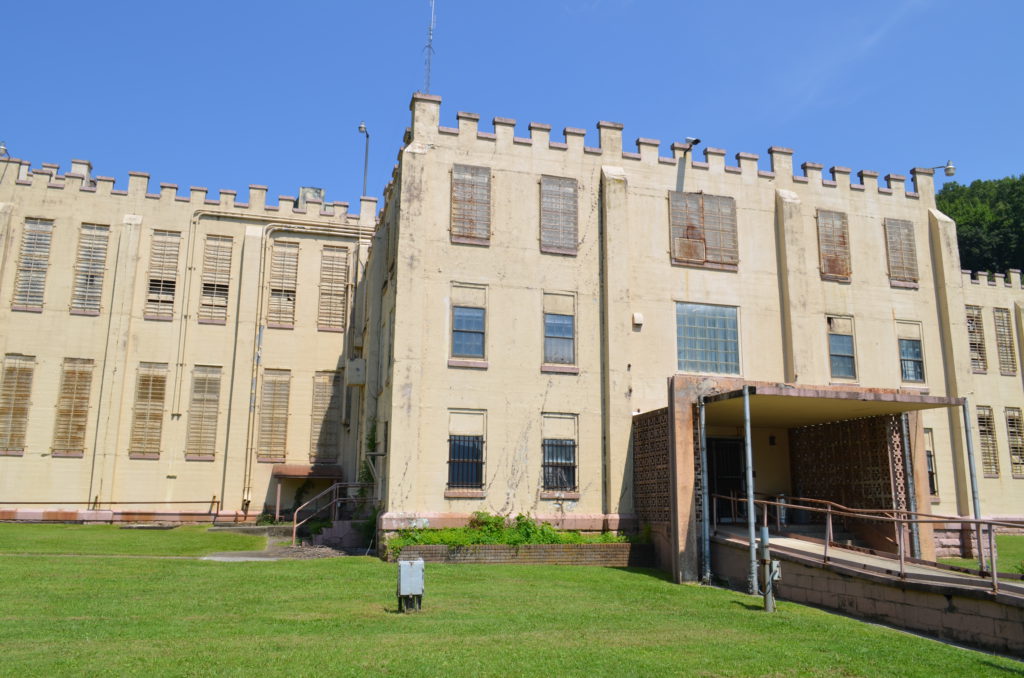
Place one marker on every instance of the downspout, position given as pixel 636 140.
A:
pixel 705 521
pixel 974 478
pixel 751 517
pixel 231 378
pixel 908 473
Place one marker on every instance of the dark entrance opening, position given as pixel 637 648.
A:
pixel 726 477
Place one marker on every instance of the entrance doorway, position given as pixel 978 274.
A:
pixel 727 477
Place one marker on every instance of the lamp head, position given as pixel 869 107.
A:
pixel 362 127
pixel 693 141
pixel 950 168
pixel 3 150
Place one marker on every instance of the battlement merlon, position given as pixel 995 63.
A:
pixel 1010 279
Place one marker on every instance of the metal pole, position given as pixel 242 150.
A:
pixel 992 556
pixel 974 478
pixel 751 518
pixel 828 531
pixel 705 546
pixel 366 154
pixel 899 546
pixel 908 472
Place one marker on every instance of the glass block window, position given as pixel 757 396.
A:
pixel 333 305
pixel 1004 342
pixel 834 245
pixel 33 261
pixel 323 436
pixel 702 229
pixel 72 407
pixel 559 464
pixel 558 215
pixel 841 354
pixel 284 271
pixel 1015 438
pixel 148 413
pixel 468 332
pixel 559 339
pixel 163 275
pixel 90 262
pixel 987 436
pixel 707 338
pixel 15 402
pixel 466 462
pixel 273 440
pixel 901 250
pixel 976 339
pixel 201 440
pixel 471 204
pixel 213 304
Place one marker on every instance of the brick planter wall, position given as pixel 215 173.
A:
pixel 603 555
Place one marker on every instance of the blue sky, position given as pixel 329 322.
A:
pixel 226 93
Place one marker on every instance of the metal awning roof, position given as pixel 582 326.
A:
pixel 784 406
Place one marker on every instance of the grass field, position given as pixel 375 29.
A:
pixel 1010 554
pixel 175 617
pixel 188 540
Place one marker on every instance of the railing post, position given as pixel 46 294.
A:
pixel 992 557
pixel 899 546
pixel 828 531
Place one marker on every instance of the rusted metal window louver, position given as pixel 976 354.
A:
pixel 559 207
pixel 163 275
pixel 1004 342
pixel 15 401
pixel 834 244
pixel 201 439
pixel 976 339
pixel 284 269
pixel 72 408
pixel 987 436
pixel 1015 437
pixel 90 261
pixel 901 250
pixel 471 204
pixel 273 440
pixel 323 434
pixel 333 305
pixel 703 229
pixel 148 415
pixel 34 259
pixel 213 304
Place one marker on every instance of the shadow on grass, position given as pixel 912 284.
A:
pixel 648 571
pixel 749 606
pixel 1004 669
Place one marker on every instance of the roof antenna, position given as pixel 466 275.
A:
pixel 429 49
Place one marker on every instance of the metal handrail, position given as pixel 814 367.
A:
pixel 335 501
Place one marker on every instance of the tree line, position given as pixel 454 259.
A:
pixel 989 216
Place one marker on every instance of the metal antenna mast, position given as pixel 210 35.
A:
pixel 429 49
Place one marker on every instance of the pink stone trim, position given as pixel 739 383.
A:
pixel 566 496
pixel 559 369
pixel 857 187
pixel 323 328
pixel 667 161
pixel 884 191
pixel 448 130
pixel 781 150
pixel 558 145
pixel 503 121
pixel 574 131
pixel 630 156
pixel 837 169
pixel 67 454
pixel 139 174
pixel 642 141
pixel 269 460
pixel 470 364
pixel 714 151
pixel 465 494
pixel 592 151
pixel 568 251
pixel 116 192
pixel 78 311
pixel 765 175
pixel 678 146
pixel 747 156
pixel 467 240
pixel 699 165
pixel 12 453
pixel 423 96
pixel 28 309
pixel 540 126
pixel 733 170
pixel 282 326
pixel 609 125
pixel 211 321
pixel 144 455
pixel 913 194
pixel 799 179
pixel 191 456
pixel 895 177
pixel 464 115
pixel 829 183
pixel 486 135
pixel 522 141
pixel 923 170
pixel 812 165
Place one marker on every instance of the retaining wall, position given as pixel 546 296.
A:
pixel 603 555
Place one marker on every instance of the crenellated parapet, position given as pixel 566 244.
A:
pixel 982 279
pixel 427 129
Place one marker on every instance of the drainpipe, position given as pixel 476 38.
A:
pixel 705 522
pixel 908 472
pixel 751 516
pixel 974 478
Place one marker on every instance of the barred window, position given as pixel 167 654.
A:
pixel 273 441
pixel 90 262
pixel 333 307
pixel 1004 342
pixel 213 304
pixel 15 401
pixel 558 215
pixel 201 439
pixel 323 437
pixel 163 275
pixel 148 415
pixel 34 259
pixel 834 245
pixel 1015 438
pixel 471 204
pixel 72 407
pixel 465 462
pixel 703 229
pixel 284 270
pixel 987 436
pixel 559 464
pixel 707 338
pixel 901 250
pixel 976 339
pixel 841 354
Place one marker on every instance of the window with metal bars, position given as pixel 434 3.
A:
pixel 148 414
pixel 90 262
pixel 1004 342
pixel 163 275
pixel 273 440
pixel 15 401
pixel 284 270
pixel 201 438
pixel 333 307
pixel 323 436
pixel 33 261
pixel 707 338
pixel 987 436
pixel 471 204
pixel 559 465
pixel 834 245
pixel 465 462
pixel 901 250
pixel 976 339
pixel 929 455
pixel 1015 439
pixel 213 303
pixel 702 229
pixel 72 408
pixel 558 215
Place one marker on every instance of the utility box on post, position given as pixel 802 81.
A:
pixel 410 585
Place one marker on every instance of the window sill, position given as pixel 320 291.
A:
pixel 936 500
pixel 711 265
pixel 12 453
pixel 564 495
pixel 836 278
pixel 28 309
pixel 336 330
pixel 467 240
pixel 67 454
pixel 916 390
pixel 975 370
pixel 143 455
pixel 274 326
pixel 269 460
pixel 1007 374
pixel 78 311
pixel 990 475
pixel 198 457
pixel 471 364
pixel 159 318
pixel 565 251
pixel 208 321
pixel 559 369
pixel 1017 476
pixel 465 494
pixel 904 284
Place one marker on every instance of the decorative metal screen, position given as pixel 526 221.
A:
pixel 148 414
pixel 33 260
pixel 559 464
pixel 201 441
pixel 1015 440
pixel 163 275
pixel 1004 342
pixel 558 215
pixel 273 440
pixel 284 271
pixel 652 483
pixel 702 229
pixel 72 407
pixel 323 435
pixel 901 250
pixel 90 261
pixel 976 339
pixel 833 244
pixel 987 437
pixel 15 401
pixel 471 203
pixel 213 304
pixel 333 307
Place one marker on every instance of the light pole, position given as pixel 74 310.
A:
pixel 366 153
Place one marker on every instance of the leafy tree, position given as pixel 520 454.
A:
pixel 989 216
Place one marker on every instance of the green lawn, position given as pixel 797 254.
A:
pixel 1010 554
pixel 188 540
pixel 155 617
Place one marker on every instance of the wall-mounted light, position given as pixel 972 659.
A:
pixel 949 168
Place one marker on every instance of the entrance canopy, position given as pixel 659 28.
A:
pixel 782 406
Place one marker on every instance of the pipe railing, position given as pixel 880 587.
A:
pixel 337 499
